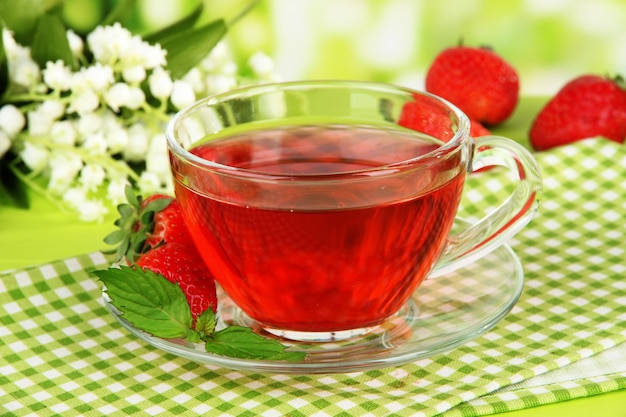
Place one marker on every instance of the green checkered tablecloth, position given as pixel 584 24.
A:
pixel 64 354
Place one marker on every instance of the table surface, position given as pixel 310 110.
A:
pixel 43 234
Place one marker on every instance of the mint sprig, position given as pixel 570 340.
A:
pixel 157 306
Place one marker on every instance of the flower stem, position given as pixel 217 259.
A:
pixel 30 183
pixel 243 12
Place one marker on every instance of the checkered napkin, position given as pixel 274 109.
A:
pixel 64 354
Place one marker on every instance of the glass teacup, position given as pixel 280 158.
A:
pixel 320 207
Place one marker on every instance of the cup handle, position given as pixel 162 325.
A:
pixel 507 219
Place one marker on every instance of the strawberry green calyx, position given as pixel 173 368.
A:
pixel 135 224
pixel 619 81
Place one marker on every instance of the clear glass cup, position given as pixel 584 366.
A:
pixel 321 206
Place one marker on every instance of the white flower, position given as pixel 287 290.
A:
pixel 34 156
pixel 9 42
pixel 39 122
pixel 116 191
pixel 217 58
pixel 95 143
pixel 182 94
pixel 157 158
pixel 158 144
pixel 153 55
pixel 57 76
pixel 92 176
pixel 149 183
pixel 120 64
pixel 12 121
pixel 68 160
pixel 64 167
pixel 60 181
pixel 197 128
pixel 99 77
pixel 117 96
pixel 75 196
pixel 159 165
pixel 138 140
pixel 220 83
pixel 117 139
pixel 84 102
pixel 136 98
pixel 64 133
pixel 89 209
pixel 76 43
pixel 160 83
pixel 134 74
pixel 194 77
pixel 25 72
pixel 262 65
pixel 52 108
pixel 114 44
pixel 92 210
pixel 122 95
pixel 108 43
pixel 5 143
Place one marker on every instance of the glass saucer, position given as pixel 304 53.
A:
pixel 442 314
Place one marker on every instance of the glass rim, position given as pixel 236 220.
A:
pixel 460 135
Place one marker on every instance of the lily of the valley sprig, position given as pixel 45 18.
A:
pixel 79 127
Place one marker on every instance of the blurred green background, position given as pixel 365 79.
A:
pixel 547 41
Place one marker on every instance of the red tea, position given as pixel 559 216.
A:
pixel 322 234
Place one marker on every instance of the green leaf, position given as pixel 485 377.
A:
pixel 243 343
pixel 206 322
pixel 12 190
pixel 50 42
pixel 131 197
pixel 148 301
pixel 176 27
pixel 4 66
pixel 158 204
pixel 22 18
pixel 187 48
pixel 121 11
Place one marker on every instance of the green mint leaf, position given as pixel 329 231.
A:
pixel 148 301
pixel 206 322
pixel 243 343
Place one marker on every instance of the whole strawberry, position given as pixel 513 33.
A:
pixel 145 224
pixel 182 265
pixel 477 80
pixel 421 115
pixel 152 235
pixel 587 106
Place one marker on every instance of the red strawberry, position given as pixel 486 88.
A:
pixel 416 117
pixel 152 235
pixel 144 224
pixel 587 106
pixel 182 265
pixel 477 130
pixel 425 115
pixel 169 225
pixel 477 80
